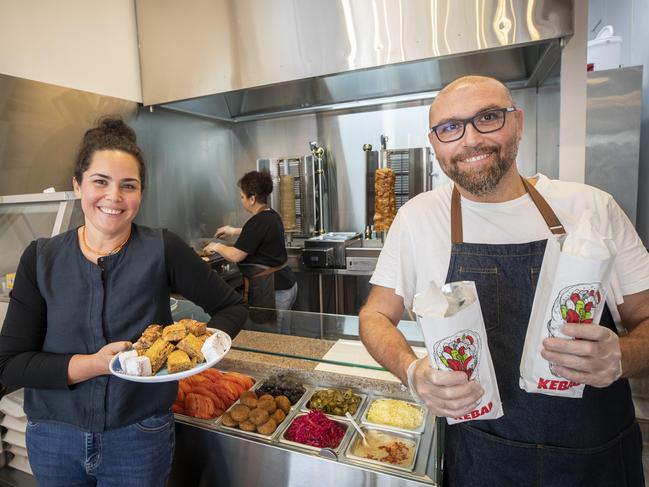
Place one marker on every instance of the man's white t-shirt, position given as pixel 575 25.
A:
pixel 417 250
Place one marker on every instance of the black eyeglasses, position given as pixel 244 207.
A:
pixel 484 122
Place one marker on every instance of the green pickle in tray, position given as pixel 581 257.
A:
pixel 336 402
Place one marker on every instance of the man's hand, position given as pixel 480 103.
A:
pixel 593 358
pixel 445 393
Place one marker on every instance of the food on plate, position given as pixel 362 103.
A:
pixel 385 207
pixel 258 416
pixel 268 428
pixel 213 346
pixel 397 413
pixel 283 403
pixel 228 421
pixel 158 353
pixel 148 337
pixel 249 399
pixel 283 385
pixel 192 347
pixel 138 365
pixel 240 413
pixel 203 338
pixel 333 401
pixel 174 333
pixel 385 447
pixel 221 388
pixel 177 361
pixel 194 327
pixel 160 343
pixel 122 356
pixel 316 429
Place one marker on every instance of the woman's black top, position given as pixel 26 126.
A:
pixel 62 304
pixel 262 238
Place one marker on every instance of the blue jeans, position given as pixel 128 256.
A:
pixel 137 455
pixel 285 298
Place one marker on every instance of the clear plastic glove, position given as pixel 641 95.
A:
pixel 225 230
pixel 593 358
pixel 445 393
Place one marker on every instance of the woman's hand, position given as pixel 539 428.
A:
pixel 107 352
pixel 226 230
pixel 84 367
pixel 211 248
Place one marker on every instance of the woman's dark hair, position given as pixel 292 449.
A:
pixel 258 184
pixel 111 133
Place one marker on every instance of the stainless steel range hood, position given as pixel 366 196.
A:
pixel 240 60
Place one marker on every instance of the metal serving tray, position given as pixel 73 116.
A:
pixel 345 424
pixel 413 437
pixel 356 415
pixel 273 436
pixel 214 421
pixel 418 430
pixel 307 388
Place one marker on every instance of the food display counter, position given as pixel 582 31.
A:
pixel 294 350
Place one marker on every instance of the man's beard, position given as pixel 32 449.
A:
pixel 482 181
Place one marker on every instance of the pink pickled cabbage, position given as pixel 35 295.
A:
pixel 315 429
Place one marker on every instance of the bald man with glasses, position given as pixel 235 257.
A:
pixel 490 226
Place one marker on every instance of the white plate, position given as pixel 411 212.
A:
pixel 163 375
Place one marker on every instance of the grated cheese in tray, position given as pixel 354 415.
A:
pixel 393 412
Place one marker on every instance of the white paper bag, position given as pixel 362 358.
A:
pixel 455 337
pixel 571 289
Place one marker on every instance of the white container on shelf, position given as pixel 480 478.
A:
pixel 15 438
pixel 12 404
pixel 16 424
pixel 605 51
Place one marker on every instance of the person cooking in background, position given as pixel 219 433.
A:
pixel 260 250
pixel 78 299
pixel 540 440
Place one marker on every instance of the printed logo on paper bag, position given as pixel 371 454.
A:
pixel 575 304
pixel 458 352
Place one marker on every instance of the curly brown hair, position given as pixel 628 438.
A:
pixel 258 184
pixel 111 133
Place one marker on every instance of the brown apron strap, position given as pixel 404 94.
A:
pixel 551 219
pixel 269 270
pixel 456 217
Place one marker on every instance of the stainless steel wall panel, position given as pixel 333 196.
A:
pixel 547 130
pixel 41 126
pixel 192 174
pixel 201 47
pixel 613 134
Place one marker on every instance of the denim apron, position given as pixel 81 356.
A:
pixel 541 440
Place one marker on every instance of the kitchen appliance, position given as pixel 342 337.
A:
pixel 415 170
pixel 310 188
pixel 328 250
pixel 228 271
